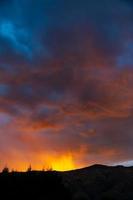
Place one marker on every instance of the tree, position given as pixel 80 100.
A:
pixel 29 168
pixel 5 170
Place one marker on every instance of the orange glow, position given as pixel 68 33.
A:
pixel 42 161
pixel 64 163
pixel 59 163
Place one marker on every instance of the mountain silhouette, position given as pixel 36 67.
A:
pixel 100 182
pixel 97 182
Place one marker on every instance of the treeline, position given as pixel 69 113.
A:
pixel 29 169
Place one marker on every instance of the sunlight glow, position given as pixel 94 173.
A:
pixel 64 163
pixel 44 162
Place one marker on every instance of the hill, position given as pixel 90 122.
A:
pixel 33 185
pixel 97 182
pixel 100 182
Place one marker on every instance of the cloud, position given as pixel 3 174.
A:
pixel 66 81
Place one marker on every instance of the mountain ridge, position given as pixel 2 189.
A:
pixel 96 182
pixel 100 182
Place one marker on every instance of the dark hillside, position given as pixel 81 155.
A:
pixel 32 185
pixel 97 182
pixel 100 182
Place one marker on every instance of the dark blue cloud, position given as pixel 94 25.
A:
pixel 4 89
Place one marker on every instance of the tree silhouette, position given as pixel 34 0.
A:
pixel 5 170
pixel 29 168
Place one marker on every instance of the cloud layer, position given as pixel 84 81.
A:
pixel 66 78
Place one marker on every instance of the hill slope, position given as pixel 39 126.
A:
pixel 97 182
pixel 33 185
pixel 100 182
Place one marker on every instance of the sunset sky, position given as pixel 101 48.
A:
pixel 66 83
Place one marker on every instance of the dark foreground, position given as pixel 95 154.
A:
pixel 93 183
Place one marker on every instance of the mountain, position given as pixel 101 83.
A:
pixel 100 182
pixel 97 182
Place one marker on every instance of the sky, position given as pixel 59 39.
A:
pixel 66 83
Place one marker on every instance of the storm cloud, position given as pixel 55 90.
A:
pixel 66 78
